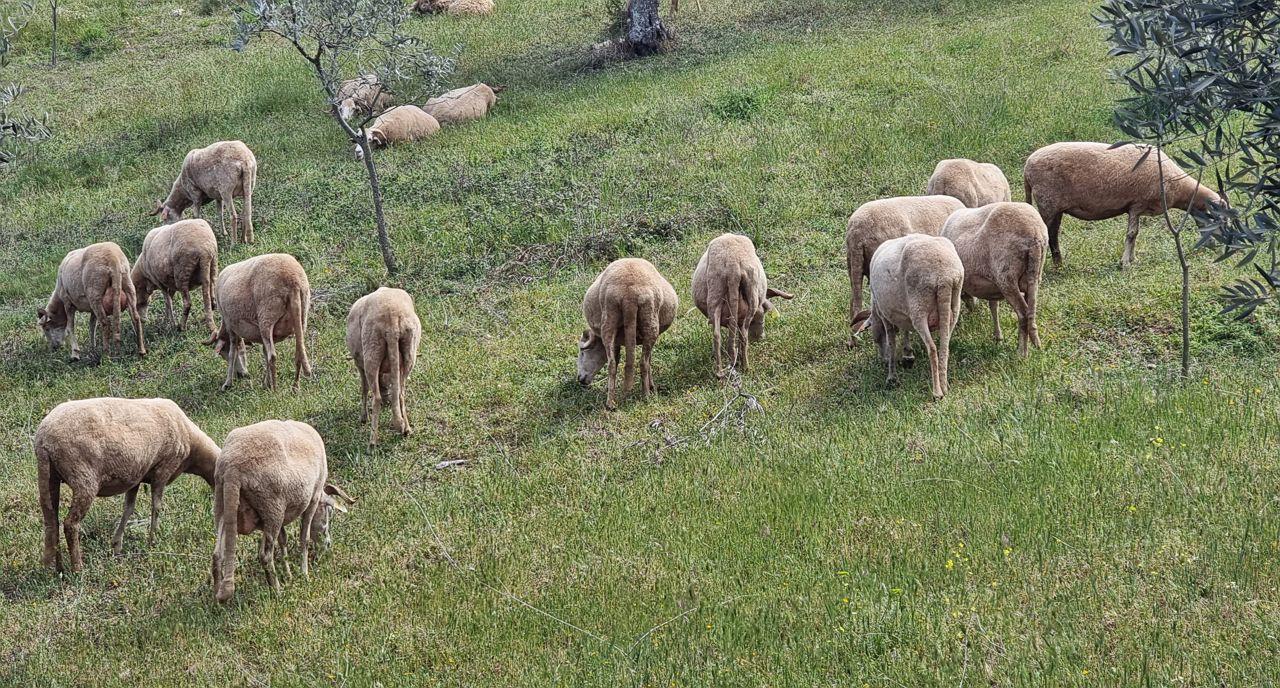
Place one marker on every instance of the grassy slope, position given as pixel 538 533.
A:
pixel 1076 517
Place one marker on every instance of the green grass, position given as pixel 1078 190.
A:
pixel 1079 517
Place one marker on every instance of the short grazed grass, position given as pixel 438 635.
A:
pixel 1077 517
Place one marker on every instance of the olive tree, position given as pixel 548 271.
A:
pixel 15 128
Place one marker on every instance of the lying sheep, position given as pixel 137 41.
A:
pixel 916 281
pixel 974 183
pixel 629 303
pixel 454 6
pixel 730 287
pixel 462 104
pixel 105 447
pixel 383 332
pixel 175 258
pixel 1093 181
pixel 218 172
pixel 1002 247
pixel 399 124
pixel 269 475
pixel 93 280
pixel 265 299
pixel 362 94
pixel 875 222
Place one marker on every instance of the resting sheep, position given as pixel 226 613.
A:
pixel 363 94
pixel 265 299
pixel 454 6
pixel 93 280
pixel 629 303
pixel 974 183
pixel 730 287
pixel 462 104
pixel 916 282
pixel 269 475
pixel 400 123
pixel 175 258
pixel 1002 247
pixel 383 332
pixel 105 447
pixel 1095 181
pixel 875 222
pixel 218 172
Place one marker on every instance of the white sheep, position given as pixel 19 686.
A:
pixel 362 94
pixel 383 332
pixel 218 172
pixel 474 7
pixel 399 124
pixel 175 258
pixel 974 183
pixel 462 104
pixel 105 447
pixel 730 287
pixel 93 280
pixel 265 299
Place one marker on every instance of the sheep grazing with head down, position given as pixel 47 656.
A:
pixel 974 184
pixel 93 280
pixel 383 332
pixel 475 7
pixel 1096 181
pixel 218 172
pixel 175 258
pixel 269 475
pixel 916 282
pixel 105 447
pixel 363 94
pixel 730 287
pixel 397 125
pixel 876 222
pixel 1002 246
pixel 265 299
pixel 462 104
pixel 628 304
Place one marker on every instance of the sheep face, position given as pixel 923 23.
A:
pixel 332 499
pixel 54 327
pixel 347 108
pixel 222 346
pixel 755 332
pixel 591 357
pixel 867 319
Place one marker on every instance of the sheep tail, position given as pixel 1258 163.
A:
pixel 630 316
pixel 734 297
pixel 302 305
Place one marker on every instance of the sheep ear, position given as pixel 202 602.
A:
pixel 772 293
pixel 334 490
pixel 860 321
pixel 158 208
pixel 42 313
pixel 588 339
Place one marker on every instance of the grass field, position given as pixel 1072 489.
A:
pixel 1080 517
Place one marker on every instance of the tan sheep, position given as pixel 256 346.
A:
pixel 1094 181
pixel 462 104
pixel 974 183
pixel 916 282
pixel 875 222
pixel 175 258
pixel 105 447
pixel 269 475
pixel 362 94
pixel 730 287
pixel 473 7
pixel 93 280
pixel 383 332
pixel 629 303
pixel 1002 246
pixel 218 172
pixel 399 124
pixel 265 299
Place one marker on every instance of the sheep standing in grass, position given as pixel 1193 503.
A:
pixel 175 258
pixel 1094 181
pixel 974 183
pixel 263 299
pixel 876 222
pixel 475 7
pixel 730 287
pixel 363 94
pixel 93 280
pixel 105 447
pixel 399 124
pixel 269 475
pixel 462 104
pixel 218 172
pixel 383 332
pixel 1002 246
pixel 916 282
pixel 629 303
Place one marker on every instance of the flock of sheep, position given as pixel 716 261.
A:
pixel 921 254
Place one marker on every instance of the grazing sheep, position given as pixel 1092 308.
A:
pixel 269 475
pixel 1093 181
pixel 93 280
pixel 175 258
pixel 462 104
pixel 916 282
pixel 363 94
pixel 218 172
pixel 265 299
pixel 974 183
pixel 875 222
pixel 383 332
pixel 629 303
pixel 454 6
pixel 400 123
pixel 105 447
pixel 1002 246
pixel 729 286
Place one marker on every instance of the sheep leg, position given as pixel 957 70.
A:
pixel 646 369
pixel 1033 332
pixel 891 361
pixel 283 554
pixel 222 221
pixel 157 491
pixel 232 358
pixel 948 316
pixel 611 353
pixel 373 361
pixel 186 309
pixel 207 292
pixel 267 555
pixel 50 493
pixel 364 392
pixel 93 331
pixel 854 263
pixel 269 354
pixel 136 318
pixel 230 204
pixel 407 358
pixel 393 379
pixel 71 334
pixel 715 342
pixel 1022 310
pixel 995 318
pixel 117 539
pixel 920 321
pixel 1054 224
pixel 168 310
pixel 742 345
pixel 81 500
pixel 1130 239
pixel 908 352
pixel 304 531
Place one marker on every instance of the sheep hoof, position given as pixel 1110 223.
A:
pixel 610 406
pixel 907 363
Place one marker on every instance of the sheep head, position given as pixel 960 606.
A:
pixel 868 319
pixel 756 330
pixel 54 325
pixel 332 498
pixel 221 343
pixel 591 356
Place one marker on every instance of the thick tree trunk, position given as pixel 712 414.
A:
pixel 646 34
